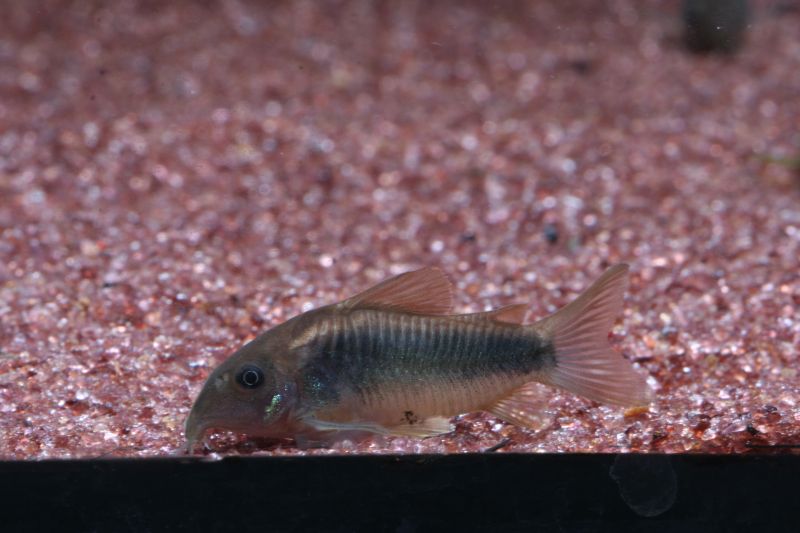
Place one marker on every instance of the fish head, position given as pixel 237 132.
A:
pixel 247 393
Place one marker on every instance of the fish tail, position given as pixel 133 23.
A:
pixel 585 364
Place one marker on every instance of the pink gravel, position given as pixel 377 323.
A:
pixel 177 177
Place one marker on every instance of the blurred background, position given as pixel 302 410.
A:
pixel 176 177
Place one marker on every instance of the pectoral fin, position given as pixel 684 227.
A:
pixel 324 425
pixel 435 425
pixel 429 427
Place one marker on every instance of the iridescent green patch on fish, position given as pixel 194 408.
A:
pixel 392 360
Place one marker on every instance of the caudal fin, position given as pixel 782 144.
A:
pixel 585 364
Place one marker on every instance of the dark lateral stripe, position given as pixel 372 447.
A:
pixel 368 349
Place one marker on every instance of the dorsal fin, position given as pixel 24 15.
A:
pixel 510 314
pixel 423 292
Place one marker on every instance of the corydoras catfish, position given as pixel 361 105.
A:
pixel 392 360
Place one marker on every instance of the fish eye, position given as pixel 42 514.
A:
pixel 250 376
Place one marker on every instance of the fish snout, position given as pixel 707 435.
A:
pixel 193 430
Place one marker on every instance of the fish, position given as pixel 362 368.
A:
pixel 393 360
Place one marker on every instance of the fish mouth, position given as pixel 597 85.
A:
pixel 195 431
pixel 196 427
